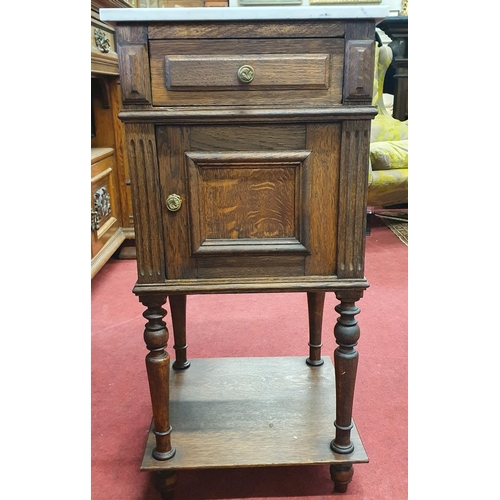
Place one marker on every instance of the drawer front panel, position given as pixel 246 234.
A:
pixel 273 72
pixel 104 58
pixel 304 72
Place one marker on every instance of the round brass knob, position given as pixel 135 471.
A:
pixel 174 202
pixel 246 74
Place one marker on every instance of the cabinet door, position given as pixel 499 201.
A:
pixel 249 200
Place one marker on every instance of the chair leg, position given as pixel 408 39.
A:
pixel 368 231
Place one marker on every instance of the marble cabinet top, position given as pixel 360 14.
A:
pixel 359 11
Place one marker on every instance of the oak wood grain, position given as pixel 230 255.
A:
pixel 322 213
pixel 247 29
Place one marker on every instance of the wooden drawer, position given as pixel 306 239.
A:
pixel 104 59
pixel 247 71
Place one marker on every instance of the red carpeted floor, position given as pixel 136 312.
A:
pixel 253 325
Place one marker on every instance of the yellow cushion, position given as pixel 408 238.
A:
pixel 388 155
pixel 388 187
pixel 387 128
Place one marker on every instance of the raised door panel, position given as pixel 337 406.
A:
pixel 251 200
pixel 246 202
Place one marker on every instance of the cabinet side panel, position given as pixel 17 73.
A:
pixel 127 218
pixel 352 198
pixel 145 187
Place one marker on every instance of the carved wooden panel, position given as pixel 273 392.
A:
pixel 134 61
pixel 355 142
pixel 104 205
pixel 246 202
pixel 358 79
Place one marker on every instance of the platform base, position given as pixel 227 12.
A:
pixel 252 412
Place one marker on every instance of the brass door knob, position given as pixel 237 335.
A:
pixel 174 202
pixel 246 74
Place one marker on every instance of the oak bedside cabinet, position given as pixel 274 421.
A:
pixel 248 138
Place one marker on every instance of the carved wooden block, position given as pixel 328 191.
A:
pixel 134 62
pixel 358 79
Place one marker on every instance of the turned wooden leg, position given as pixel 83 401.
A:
pixel 165 483
pixel 315 303
pixel 178 310
pixel 341 475
pixel 158 370
pixel 345 359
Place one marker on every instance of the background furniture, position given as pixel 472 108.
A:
pixel 248 141
pixel 112 221
pixel 388 166
pixel 397 29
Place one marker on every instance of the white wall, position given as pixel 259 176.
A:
pixel 394 5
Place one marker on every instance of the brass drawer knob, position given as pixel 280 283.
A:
pixel 246 74
pixel 174 202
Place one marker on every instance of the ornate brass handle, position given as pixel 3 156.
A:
pixel 101 40
pixel 246 74
pixel 94 220
pixel 174 202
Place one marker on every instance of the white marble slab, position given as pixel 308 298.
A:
pixel 360 11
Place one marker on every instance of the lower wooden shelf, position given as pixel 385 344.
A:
pixel 252 412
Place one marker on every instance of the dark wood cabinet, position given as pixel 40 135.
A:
pixel 248 141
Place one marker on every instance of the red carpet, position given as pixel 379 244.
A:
pixel 253 325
